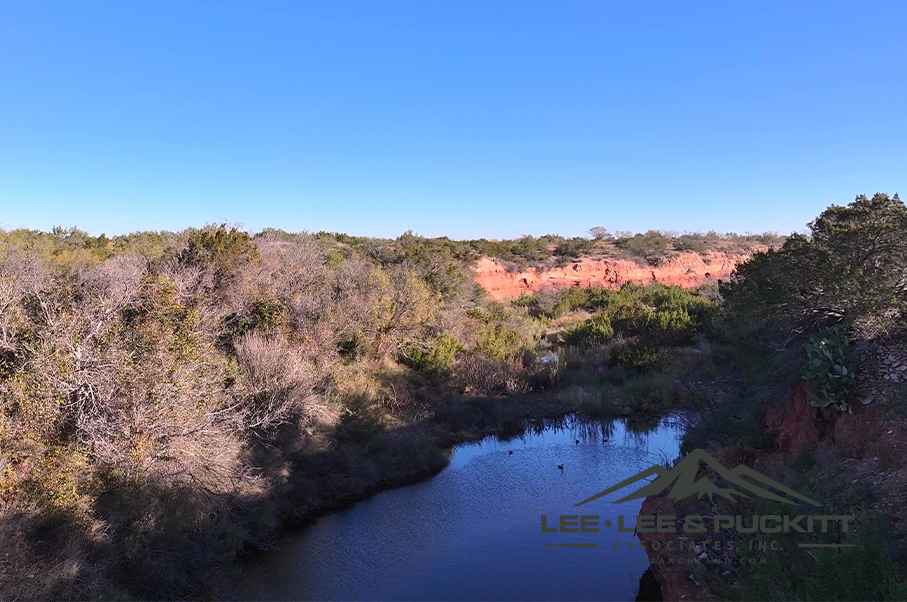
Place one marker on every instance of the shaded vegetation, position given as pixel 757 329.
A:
pixel 804 317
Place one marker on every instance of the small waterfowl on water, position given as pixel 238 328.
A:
pixel 561 466
pixel 510 452
pixel 577 441
pixel 605 439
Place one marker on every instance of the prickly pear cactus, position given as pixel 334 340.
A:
pixel 829 369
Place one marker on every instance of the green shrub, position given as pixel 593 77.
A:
pixel 532 249
pixel 594 331
pixel 571 300
pixel 265 314
pixel 333 259
pixel 851 269
pixel 657 315
pixel 648 245
pixel 224 249
pixel 526 300
pixel 574 247
pixel 687 242
pixel 629 315
pixel 636 356
pixel 671 327
pixel 646 394
pixel 352 346
pixel 438 359
pixel 237 325
pixel 499 342
pixel 862 572
pixel 504 331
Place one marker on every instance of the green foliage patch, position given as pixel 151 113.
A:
pixel 829 369
pixel 660 316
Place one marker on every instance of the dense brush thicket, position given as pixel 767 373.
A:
pixel 136 374
pixel 169 398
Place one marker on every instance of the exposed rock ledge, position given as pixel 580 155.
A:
pixel 688 270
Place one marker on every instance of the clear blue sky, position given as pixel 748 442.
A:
pixel 461 118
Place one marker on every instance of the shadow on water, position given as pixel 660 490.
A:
pixel 649 590
pixel 472 531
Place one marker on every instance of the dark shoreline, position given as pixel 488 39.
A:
pixel 443 443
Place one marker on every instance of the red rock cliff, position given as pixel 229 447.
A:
pixel 688 270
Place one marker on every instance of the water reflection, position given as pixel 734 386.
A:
pixel 657 437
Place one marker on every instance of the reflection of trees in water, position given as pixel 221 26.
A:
pixel 642 424
pixel 594 430
pixel 584 429
pixel 658 450
pixel 636 432
pixel 537 427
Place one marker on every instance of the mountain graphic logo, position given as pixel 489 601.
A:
pixel 683 479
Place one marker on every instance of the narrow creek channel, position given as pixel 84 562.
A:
pixel 472 532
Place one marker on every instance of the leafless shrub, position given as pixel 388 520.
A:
pixel 396 397
pixel 117 277
pixel 189 280
pixel 584 397
pixel 169 422
pixel 476 374
pixel 277 382
pixel 544 371
pixel 20 274
pixel 296 266
pixel 294 273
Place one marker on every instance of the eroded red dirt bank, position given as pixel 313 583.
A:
pixel 688 270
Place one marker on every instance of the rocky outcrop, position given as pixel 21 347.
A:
pixel 688 270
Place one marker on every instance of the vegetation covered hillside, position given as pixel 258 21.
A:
pixel 171 400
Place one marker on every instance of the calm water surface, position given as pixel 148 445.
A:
pixel 473 531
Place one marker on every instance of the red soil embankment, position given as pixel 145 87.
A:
pixel 869 432
pixel 688 270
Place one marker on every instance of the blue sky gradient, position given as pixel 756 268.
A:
pixel 464 118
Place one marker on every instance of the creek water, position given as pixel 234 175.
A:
pixel 473 532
